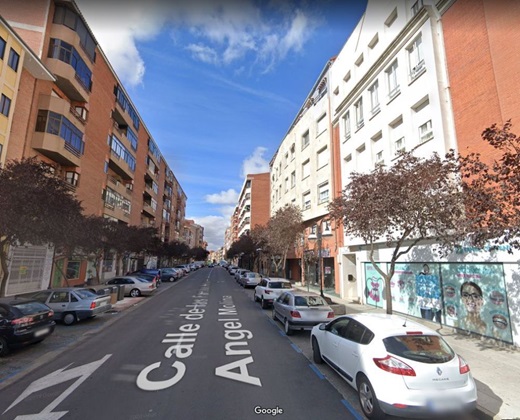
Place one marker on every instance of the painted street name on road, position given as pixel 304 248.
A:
pixel 183 343
pixel 227 313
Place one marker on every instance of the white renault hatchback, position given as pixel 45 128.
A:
pixel 398 367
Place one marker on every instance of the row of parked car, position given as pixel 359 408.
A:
pixel 397 367
pixel 32 317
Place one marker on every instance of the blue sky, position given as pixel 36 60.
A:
pixel 218 82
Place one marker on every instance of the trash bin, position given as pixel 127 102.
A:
pixel 113 294
pixel 120 292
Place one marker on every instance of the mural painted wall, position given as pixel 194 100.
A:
pixel 469 296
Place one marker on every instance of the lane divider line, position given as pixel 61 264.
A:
pixel 352 410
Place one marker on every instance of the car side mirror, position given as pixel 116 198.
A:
pixel 322 327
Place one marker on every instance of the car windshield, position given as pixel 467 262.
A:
pixel 29 308
pixel 85 293
pixel 420 348
pixel 279 285
pixel 309 301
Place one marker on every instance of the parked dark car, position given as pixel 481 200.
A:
pixel 23 321
pixel 72 304
pixel 150 271
pixel 171 274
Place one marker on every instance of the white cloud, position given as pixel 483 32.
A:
pixel 255 164
pixel 214 230
pixel 221 32
pixel 224 197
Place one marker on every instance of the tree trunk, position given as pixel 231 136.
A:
pixel 5 268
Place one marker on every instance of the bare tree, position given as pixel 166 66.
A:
pixel 414 201
pixel 283 229
pixel 36 207
pixel 493 187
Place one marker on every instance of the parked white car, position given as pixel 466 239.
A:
pixel 270 289
pixel 299 310
pixel 134 286
pixel 397 366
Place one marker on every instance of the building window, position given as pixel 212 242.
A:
pixel 54 123
pixel 391 78
pixel 374 97
pixel 123 101
pixel 306 169
pixel 322 158
pixel 326 228
pixel 65 52
pixel 399 146
pixel 293 151
pixel 426 131
pixel 305 140
pixel 5 105
pixel 415 58
pixel 286 184
pixel 286 159
pixel 132 137
pixel 391 18
pixel 374 41
pixel 154 150
pixel 379 158
pixel 323 193
pixel 346 125
pixel 122 152
pixel 293 179
pixel 67 17
pixel 72 178
pixel 416 7
pixel 13 60
pixel 358 106
pixel 306 201
pixel 73 269
pixel 321 124
pixel 3 43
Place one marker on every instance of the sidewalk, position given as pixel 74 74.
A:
pixel 495 365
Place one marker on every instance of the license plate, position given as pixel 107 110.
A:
pixel 103 303
pixel 41 332
pixel 440 405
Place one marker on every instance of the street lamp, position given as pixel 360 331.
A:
pixel 320 259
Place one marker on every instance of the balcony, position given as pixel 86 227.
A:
pixel 121 118
pixel 116 212
pixel 67 81
pixel 119 186
pixel 55 148
pixel 148 210
pixel 120 167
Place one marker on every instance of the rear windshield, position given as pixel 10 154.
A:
pixel 279 285
pixel 29 308
pixel 420 348
pixel 85 294
pixel 309 301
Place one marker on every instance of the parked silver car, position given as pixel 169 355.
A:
pixel 72 304
pixel 134 286
pixel 270 289
pixel 249 279
pixel 171 274
pixel 239 273
pixel 299 310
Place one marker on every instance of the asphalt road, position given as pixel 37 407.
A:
pixel 199 349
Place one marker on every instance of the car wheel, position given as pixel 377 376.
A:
pixel 368 399
pixel 287 328
pixel 69 318
pixel 264 303
pixel 4 348
pixel 135 293
pixel 316 353
pixel 171 279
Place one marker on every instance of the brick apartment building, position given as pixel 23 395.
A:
pixel 72 110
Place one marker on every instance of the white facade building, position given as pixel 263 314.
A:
pixel 390 92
